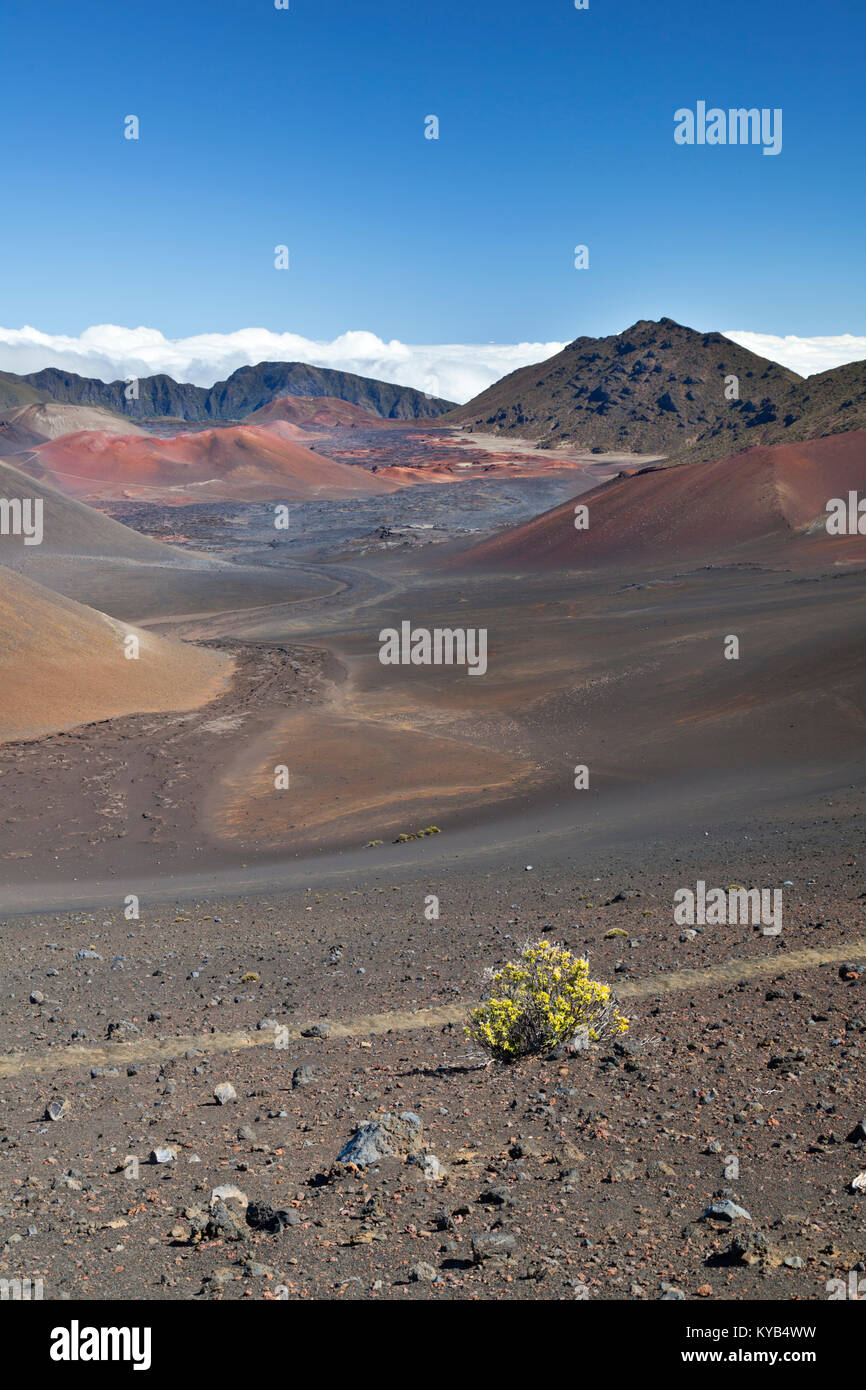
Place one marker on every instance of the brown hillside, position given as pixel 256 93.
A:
pixel 315 413
pixel 62 664
pixel 758 501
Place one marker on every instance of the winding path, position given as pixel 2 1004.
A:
pixel 729 972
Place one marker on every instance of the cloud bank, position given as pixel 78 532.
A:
pixel 457 371
pixel 803 355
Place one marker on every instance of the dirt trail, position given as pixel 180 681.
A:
pixel 729 972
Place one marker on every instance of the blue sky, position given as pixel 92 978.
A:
pixel 306 127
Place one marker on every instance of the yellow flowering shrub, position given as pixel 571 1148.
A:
pixel 539 1002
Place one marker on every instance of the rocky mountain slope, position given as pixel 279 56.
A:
pixel 244 391
pixel 663 388
pixel 656 388
pixel 16 391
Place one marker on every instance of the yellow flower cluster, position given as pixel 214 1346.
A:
pixel 540 1001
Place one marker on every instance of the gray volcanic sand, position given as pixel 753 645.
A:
pixel 148 593
pixel 630 681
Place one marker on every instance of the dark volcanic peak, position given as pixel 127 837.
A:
pixel 251 387
pixel 656 388
pixel 157 395
pixel 245 390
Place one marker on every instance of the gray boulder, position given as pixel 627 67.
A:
pixel 391 1136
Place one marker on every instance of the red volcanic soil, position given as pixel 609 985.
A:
pixel 235 463
pixel 456 469
pixel 744 504
pixel 427 473
pixel 317 412
pixel 417 455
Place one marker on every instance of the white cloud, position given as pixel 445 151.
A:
pixel 803 355
pixel 456 371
